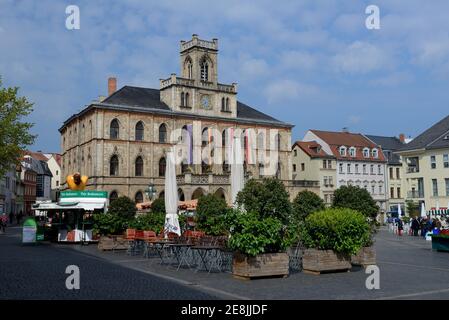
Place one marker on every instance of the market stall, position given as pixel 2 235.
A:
pixel 71 219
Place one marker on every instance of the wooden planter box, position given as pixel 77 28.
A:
pixel 318 261
pixel 440 243
pixel 262 265
pixel 106 243
pixel 365 257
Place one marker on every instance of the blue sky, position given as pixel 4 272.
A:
pixel 310 63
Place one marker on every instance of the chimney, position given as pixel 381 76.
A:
pixel 402 138
pixel 112 85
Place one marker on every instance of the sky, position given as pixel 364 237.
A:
pixel 313 64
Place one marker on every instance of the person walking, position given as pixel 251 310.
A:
pixel 11 217
pixel 3 221
pixel 400 227
pixel 415 227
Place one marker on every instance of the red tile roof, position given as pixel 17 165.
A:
pixel 312 149
pixel 36 155
pixel 337 139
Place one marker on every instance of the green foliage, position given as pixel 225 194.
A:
pixel 210 215
pixel 14 133
pixel 123 207
pixel 412 208
pixel 153 221
pixel 268 198
pixel 405 219
pixel 305 203
pixel 252 235
pixel 158 205
pixel 340 229
pixel 106 224
pixel 355 198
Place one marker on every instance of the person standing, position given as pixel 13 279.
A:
pixel 400 227
pixel 415 227
pixel 11 217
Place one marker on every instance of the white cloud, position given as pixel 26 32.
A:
pixel 361 58
pixel 298 60
pixel 393 79
pixel 288 91
pixel 353 119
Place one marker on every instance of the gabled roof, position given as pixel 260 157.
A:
pixel 337 139
pixel 313 149
pixel 436 137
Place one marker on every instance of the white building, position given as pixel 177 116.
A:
pixel 360 162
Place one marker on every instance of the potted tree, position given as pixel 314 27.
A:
pixel 258 230
pixel 331 236
pixel 359 199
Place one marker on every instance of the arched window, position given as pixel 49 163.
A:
pixel 223 106
pixel 204 70
pixel 342 151
pixel 277 142
pixel 186 101
pixel 260 141
pixel 190 70
pixel 182 99
pixel 114 129
pixel 138 197
pixel 113 196
pixel 375 153
pixel 113 166
pixel 139 167
pixel 139 131
pixel 227 105
pixel 223 138
pixel 205 137
pixel 163 133
pixel 162 165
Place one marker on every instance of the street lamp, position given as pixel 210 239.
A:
pixel 151 191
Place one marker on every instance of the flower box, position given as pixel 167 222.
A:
pixel 318 261
pixel 365 257
pixel 262 265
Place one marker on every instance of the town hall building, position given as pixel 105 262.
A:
pixel 121 141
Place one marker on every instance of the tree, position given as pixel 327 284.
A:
pixel 210 215
pixel 14 133
pixel 268 198
pixel 123 207
pixel 158 205
pixel 305 203
pixel 412 208
pixel 355 198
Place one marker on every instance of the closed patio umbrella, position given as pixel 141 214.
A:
pixel 237 175
pixel 171 197
pixel 423 210
pixel 399 210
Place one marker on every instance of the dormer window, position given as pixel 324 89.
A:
pixel 366 153
pixel 352 152
pixel 342 151
pixel 375 153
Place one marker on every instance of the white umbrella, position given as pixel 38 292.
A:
pixel 399 210
pixel 423 210
pixel 237 176
pixel 171 197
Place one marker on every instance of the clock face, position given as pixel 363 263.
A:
pixel 205 102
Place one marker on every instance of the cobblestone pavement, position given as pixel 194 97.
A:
pixel 409 269
pixel 38 272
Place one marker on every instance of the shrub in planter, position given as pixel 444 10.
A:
pixel 305 203
pixel 158 205
pixel 109 224
pixel 150 221
pixel 123 207
pixel 355 198
pixel 332 236
pixel 210 215
pixel 258 243
pixel 338 229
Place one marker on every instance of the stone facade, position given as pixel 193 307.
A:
pixel 88 147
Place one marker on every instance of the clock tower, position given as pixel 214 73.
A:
pixel 197 90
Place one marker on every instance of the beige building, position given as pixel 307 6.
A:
pixel 121 141
pixel 426 166
pixel 315 168
pixel 395 184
